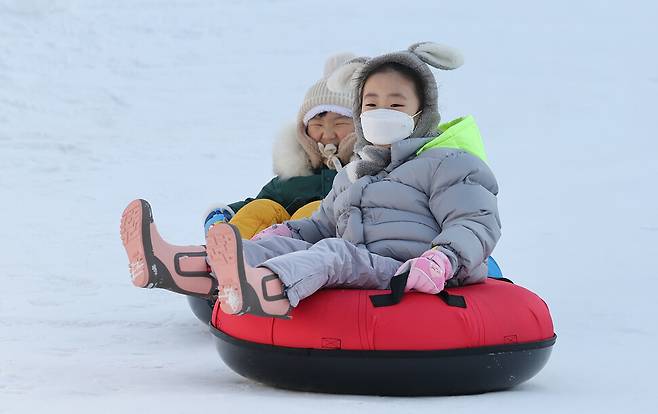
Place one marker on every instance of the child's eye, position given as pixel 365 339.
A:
pixel 396 105
pixel 370 105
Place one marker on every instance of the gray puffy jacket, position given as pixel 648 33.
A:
pixel 433 193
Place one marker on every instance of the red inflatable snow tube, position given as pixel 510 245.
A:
pixel 477 338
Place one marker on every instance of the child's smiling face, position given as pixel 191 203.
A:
pixel 390 90
pixel 329 128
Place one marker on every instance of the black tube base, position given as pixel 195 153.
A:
pixel 391 373
pixel 202 308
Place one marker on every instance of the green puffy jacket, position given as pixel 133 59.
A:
pixel 295 192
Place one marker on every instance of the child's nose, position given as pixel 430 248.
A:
pixel 329 136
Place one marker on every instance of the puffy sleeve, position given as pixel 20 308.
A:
pixel 463 200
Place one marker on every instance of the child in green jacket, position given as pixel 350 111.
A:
pixel 306 157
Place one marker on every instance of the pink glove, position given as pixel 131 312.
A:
pixel 275 230
pixel 427 273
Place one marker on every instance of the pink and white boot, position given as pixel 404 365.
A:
pixel 155 263
pixel 242 288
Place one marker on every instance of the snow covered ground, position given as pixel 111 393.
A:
pixel 178 101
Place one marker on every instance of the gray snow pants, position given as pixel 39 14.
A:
pixel 304 268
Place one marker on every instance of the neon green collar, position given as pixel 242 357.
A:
pixel 461 133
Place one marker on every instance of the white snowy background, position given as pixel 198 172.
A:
pixel 178 102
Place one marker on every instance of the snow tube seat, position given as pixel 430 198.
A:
pixel 202 308
pixel 338 341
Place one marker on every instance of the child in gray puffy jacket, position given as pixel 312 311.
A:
pixel 419 198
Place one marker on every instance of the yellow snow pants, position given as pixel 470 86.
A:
pixel 262 213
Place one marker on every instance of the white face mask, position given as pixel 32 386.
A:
pixel 386 126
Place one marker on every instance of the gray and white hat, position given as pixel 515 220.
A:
pixel 353 74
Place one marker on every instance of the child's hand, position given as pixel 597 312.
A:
pixel 276 230
pixel 427 273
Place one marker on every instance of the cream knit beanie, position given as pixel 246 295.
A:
pixel 320 99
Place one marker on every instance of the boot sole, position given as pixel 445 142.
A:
pixel 146 269
pixel 225 255
pixel 135 229
pixel 224 247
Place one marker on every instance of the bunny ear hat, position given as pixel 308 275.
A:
pixel 418 57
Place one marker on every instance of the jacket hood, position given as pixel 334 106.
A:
pixel 289 159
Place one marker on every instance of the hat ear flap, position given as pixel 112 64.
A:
pixel 437 55
pixel 340 80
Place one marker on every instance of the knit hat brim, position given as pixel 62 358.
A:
pixel 318 109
